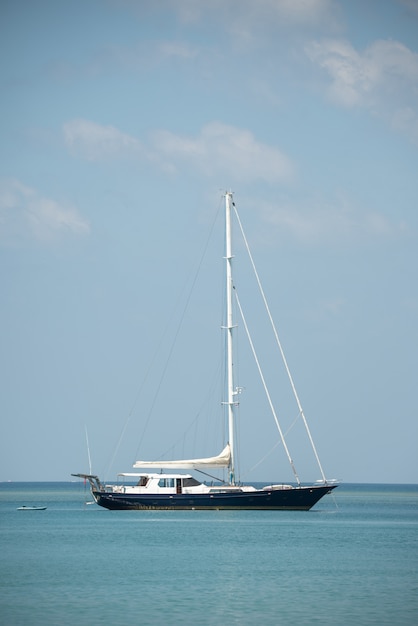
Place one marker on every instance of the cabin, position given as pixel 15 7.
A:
pixel 158 483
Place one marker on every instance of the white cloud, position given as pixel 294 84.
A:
pixel 301 11
pixel 382 78
pixel 219 150
pixel 24 210
pixel 332 224
pixel 219 30
pixel 249 24
pixel 224 152
pixel 95 142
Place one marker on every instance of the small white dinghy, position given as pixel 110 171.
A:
pixel 31 508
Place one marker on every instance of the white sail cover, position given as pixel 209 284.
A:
pixel 222 460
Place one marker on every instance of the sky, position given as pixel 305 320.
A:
pixel 123 123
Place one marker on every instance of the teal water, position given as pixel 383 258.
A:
pixel 353 559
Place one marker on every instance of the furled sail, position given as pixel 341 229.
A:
pixel 222 460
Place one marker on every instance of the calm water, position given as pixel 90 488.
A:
pixel 353 559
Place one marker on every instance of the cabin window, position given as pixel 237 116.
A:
pixel 190 482
pixel 142 482
pixel 166 482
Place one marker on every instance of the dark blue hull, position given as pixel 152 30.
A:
pixel 297 499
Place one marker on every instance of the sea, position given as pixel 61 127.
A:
pixel 351 560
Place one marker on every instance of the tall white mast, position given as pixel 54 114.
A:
pixel 229 329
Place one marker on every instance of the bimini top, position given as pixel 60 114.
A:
pixel 222 460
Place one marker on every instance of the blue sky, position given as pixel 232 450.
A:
pixel 122 124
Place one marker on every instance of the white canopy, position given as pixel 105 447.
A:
pixel 222 460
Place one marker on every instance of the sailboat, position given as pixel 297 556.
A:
pixel 153 488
